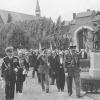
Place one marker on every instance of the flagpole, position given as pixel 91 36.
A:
pixel 50 46
pixel 40 47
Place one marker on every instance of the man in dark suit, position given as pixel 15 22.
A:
pixel 59 72
pixel 9 68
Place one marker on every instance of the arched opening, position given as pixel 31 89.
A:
pixel 83 38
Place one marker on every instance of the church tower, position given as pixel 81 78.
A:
pixel 37 11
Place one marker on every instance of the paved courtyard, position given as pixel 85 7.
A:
pixel 32 91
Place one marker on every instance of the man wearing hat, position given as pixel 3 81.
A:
pixel 73 68
pixel 9 68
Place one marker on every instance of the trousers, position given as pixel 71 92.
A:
pixel 60 81
pixel 19 87
pixel 44 81
pixel 9 89
pixel 77 84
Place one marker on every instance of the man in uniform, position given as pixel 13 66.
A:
pixel 73 69
pixel 9 68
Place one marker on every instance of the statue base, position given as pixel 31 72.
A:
pixel 94 70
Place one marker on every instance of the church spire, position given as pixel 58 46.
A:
pixel 38 11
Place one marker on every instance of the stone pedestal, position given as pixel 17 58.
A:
pixel 94 70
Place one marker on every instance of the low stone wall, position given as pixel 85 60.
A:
pixel 88 83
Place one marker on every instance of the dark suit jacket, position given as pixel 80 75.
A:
pixel 59 68
pixel 52 61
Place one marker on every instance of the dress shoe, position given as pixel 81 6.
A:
pixel 69 94
pixel 47 90
pixel 62 90
pixel 43 89
pixel 58 90
pixel 79 96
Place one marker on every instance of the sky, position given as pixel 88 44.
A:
pixel 51 8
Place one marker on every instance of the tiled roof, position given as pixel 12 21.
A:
pixel 15 16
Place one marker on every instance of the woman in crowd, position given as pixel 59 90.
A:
pixel 22 72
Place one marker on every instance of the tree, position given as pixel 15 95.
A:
pixel 18 38
pixel 9 18
pixel 30 33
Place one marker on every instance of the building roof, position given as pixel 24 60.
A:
pixel 15 16
pixel 84 14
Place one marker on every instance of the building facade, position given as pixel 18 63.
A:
pixel 82 28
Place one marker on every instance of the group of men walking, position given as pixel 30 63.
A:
pixel 53 64
pixel 48 64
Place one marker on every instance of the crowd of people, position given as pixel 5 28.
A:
pixel 50 66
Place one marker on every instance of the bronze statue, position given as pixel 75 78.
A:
pixel 97 39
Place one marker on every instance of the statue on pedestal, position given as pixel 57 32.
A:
pixel 96 40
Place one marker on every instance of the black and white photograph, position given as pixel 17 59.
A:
pixel 49 49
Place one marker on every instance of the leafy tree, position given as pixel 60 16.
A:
pixel 18 38
pixel 9 18
pixel 28 34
